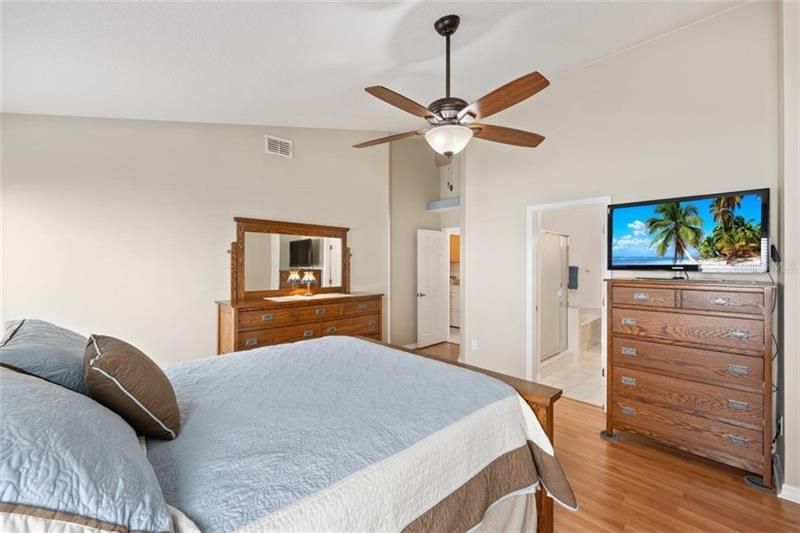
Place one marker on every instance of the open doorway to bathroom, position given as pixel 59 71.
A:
pixel 567 265
pixel 454 256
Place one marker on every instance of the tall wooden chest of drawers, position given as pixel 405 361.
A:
pixel 254 323
pixel 690 366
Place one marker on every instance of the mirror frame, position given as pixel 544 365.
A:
pixel 255 225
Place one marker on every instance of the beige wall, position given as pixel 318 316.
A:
pixel 121 227
pixel 414 182
pixel 693 112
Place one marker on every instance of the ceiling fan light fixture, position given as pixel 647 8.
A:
pixel 448 139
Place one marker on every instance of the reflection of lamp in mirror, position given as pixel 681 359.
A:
pixel 308 279
pixel 294 278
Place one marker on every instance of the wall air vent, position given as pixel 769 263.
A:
pixel 278 146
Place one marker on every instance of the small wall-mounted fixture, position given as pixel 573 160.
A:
pixel 278 146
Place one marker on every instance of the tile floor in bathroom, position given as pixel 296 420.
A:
pixel 580 380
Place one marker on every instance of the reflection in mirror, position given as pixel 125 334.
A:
pixel 270 259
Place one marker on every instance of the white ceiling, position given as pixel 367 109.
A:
pixel 299 64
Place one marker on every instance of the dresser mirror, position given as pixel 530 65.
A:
pixel 274 261
pixel 271 258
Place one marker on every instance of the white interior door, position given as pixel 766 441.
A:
pixel 552 308
pixel 432 287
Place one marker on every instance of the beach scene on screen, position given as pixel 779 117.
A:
pixel 712 233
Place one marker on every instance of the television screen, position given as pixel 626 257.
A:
pixel 713 233
pixel 300 253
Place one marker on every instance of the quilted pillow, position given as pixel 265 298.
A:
pixel 45 350
pixel 124 379
pixel 70 464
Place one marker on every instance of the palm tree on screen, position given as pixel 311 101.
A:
pixel 676 226
pixel 722 210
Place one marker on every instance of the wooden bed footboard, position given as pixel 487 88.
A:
pixel 541 398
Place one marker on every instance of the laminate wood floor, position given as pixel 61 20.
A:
pixel 635 485
pixel 445 350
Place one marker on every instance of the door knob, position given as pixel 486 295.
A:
pixel 421 294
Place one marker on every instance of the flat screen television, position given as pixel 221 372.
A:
pixel 726 232
pixel 300 253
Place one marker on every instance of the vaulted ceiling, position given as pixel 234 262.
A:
pixel 300 64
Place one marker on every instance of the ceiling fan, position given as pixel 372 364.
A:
pixel 452 120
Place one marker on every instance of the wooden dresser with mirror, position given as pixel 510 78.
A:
pixel 291 282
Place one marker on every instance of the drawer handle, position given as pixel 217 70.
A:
pixel 741 334
pixel 628 381
pixel 628 351
pixel 720 300
pixel 741 442
pixel 332 329
pixel 266 316
pixel 641 296
pixel 628 321
pixel 372 323
pixel 629 411
pixel 308 333
pixel 742 370
pixel 251 342
pixel 362 307
pixel 320 311
pixel 737 405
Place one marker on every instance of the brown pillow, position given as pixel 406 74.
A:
pixel 129 383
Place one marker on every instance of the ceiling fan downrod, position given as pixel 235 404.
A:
pixel 447 26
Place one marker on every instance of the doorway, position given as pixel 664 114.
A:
pixel 566 284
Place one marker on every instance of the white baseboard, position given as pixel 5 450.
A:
pixel 790 492
pixel 412 346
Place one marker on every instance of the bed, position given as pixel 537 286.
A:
pixel 347 434
pixel 337 433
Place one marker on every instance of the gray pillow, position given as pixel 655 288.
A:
pixel 45 350
pixel 66 458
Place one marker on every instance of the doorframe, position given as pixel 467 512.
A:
pixel 532 366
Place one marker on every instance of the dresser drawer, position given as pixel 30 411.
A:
pixel 642 296
pixel 710 330
pixel 265 318
pixel 726 405
pixel 732 302
pixel 722 442
pixel 362 325
pixel 360 308
pixel 266 337
pixel 319 312
pixel 728 370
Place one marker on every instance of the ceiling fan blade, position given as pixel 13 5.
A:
pixel 442 160
pixel 400 101
pixel 390 138
pixel 504 97
pixel 500 134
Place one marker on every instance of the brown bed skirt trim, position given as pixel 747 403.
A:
pixel 465 507
pixel 47 514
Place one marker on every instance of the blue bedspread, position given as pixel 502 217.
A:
pixel 264 428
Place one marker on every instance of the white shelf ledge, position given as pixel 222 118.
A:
pixel 445 204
